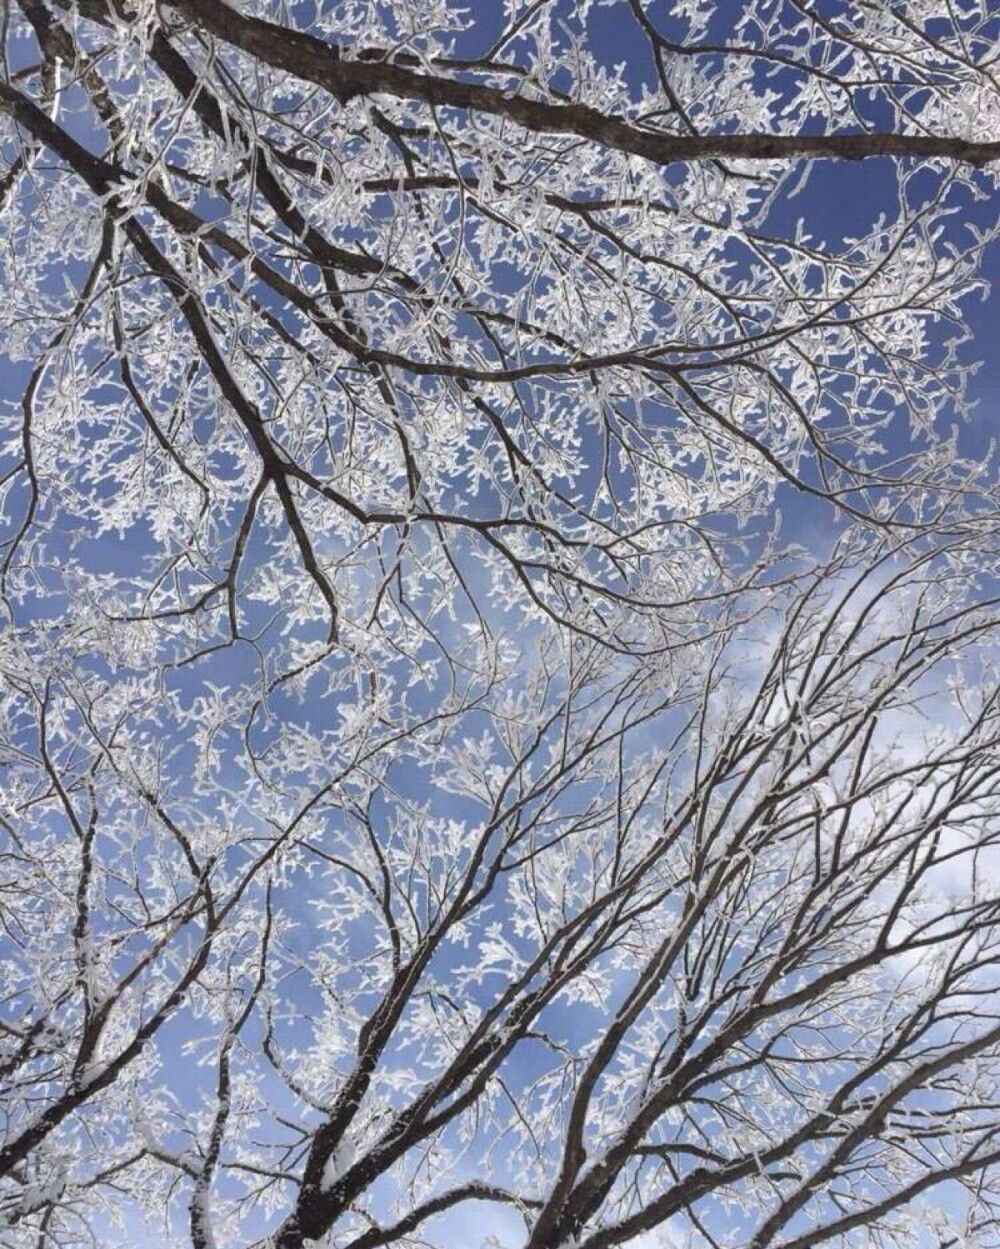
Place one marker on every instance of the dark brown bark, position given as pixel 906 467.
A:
pixel 309 58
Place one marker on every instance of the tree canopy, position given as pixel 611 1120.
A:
pixel 499 703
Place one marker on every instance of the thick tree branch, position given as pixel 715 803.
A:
pixel 306 57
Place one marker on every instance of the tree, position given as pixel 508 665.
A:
pixel 430 774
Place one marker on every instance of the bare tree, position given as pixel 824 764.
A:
pixel 429 774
